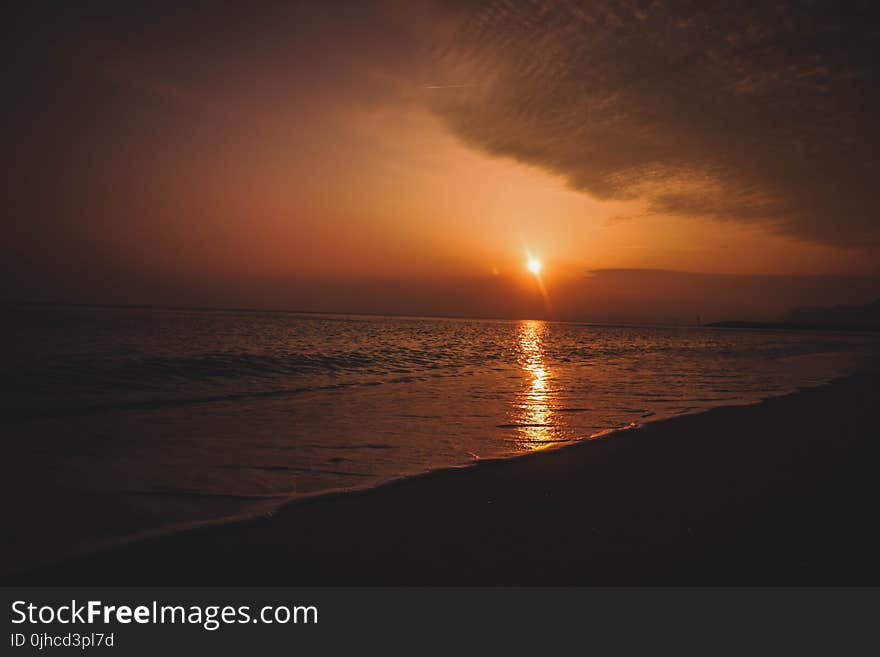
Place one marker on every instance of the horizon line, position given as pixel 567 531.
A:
pixel 289 311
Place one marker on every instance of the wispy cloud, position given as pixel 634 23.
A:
pixel 758 112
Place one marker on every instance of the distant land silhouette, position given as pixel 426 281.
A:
pixel 838 318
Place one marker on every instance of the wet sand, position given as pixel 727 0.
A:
pixel 781 492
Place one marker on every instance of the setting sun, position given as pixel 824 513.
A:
pixel 534 266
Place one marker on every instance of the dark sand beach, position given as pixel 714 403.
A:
pixel 780 492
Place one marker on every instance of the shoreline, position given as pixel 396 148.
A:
pixel 111 545
pixel 94 548
pixel 590 512
pixel 270 505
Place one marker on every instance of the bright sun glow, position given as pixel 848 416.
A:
pixel 534 266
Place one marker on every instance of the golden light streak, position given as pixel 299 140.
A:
pixel 534 414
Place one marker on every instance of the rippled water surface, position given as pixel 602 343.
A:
pixel 120 421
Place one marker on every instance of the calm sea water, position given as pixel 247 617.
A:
pixel 124 421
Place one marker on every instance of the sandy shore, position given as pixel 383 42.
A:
pixel 782 492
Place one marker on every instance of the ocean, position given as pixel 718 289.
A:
pixel 122 422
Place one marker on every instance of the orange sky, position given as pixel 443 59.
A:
pixel 181 164
pixel 390 192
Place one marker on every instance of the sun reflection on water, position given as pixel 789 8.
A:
pixel 532 412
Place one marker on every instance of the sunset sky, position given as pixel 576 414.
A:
pixel 404 157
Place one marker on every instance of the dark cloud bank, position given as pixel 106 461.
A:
pixel 751 111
